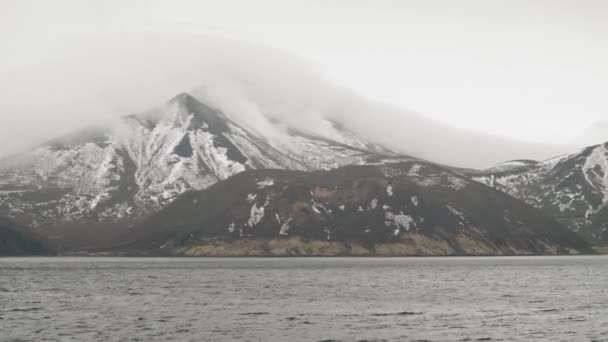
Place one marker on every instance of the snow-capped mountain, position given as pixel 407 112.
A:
pixel 117 174
pixel 572 188
pixel 97 182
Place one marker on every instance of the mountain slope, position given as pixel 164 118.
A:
pixel 572 188
pixel 17 240
pixel 404 208
pixel 111 176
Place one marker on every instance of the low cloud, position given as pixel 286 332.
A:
pixel 93 82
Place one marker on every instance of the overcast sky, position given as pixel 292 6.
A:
pixel 528 70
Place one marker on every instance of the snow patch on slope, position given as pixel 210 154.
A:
pixel 595 170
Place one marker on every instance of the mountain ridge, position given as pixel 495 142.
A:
pixel 402 208
pixel 572 187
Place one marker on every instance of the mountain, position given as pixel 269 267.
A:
pixel 17 240
pixel 105 178
pixel 572 188
pixel 409 207
pixel 84 190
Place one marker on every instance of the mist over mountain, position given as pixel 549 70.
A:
pixel 593 135
pixel 106 77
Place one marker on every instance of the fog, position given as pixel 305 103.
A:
pixel 594 134
pixel 97 80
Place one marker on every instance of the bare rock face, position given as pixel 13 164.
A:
pixel 572 188
pixel 402 208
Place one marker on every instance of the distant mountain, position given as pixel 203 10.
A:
pixel 572 188
pixel 391 208
pixel 107 177
pixel 17 240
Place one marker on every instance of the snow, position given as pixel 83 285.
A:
pixel 328 232
pixel 455 211
pixel 551 163
pixel 426 176
pixel 415 201
pixel 507 216
pixel 510 166
pixel 459 214
pixel 315 208
pixel 342 135
pixel 284 229
pixel 265 183
pixel 256 215
pixel 457 183
pixel 415 170
pixel 95 202
pixel 595 171
pixel 319 208
pixel 399 220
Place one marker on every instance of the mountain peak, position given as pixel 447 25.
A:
pixel 190 103
pixel 182 97
pixel 203 115
pixel 145 161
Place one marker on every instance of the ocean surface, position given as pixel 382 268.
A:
pixel 304 299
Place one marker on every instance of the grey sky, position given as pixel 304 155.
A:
pixel 526 70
